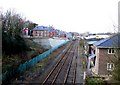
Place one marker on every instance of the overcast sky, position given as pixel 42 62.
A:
pixel 93 16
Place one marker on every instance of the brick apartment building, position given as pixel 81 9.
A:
pixel 101 61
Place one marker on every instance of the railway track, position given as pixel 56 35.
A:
pixel 64 71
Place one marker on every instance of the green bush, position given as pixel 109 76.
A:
pixel 13 45
pixel 32 54
pixel 9 63
pixel 94 81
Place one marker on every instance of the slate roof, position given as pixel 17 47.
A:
pixel 113 41
pixel 50 29
pixel 40 28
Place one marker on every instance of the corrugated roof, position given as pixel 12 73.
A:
pixel 113 41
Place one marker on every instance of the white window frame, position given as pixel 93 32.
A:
pixel 111 51
pixel 110 66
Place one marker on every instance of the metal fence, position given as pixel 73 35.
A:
pixel 23 67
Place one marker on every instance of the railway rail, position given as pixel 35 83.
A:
pixel 65 70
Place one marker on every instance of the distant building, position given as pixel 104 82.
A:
pixel 52 32
pixel 41 31
pixel 96 37
pixel 62 34
pixel 69 35
pixel 100 60
pixel 44 31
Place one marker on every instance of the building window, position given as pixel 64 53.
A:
pixel 110 66
pixel 111 51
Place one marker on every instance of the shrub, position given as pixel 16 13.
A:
pixel 94 81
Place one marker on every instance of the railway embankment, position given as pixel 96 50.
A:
pixel 25 66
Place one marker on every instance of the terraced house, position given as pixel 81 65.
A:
pixel 41 31
pixel 103 55
pixel 44 31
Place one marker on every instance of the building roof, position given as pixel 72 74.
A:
pixel 49 29
pixel 111 42
pixel 40 28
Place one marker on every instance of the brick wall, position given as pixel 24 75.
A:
pixel 34 33
pixel 104 58
pixel 41 33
